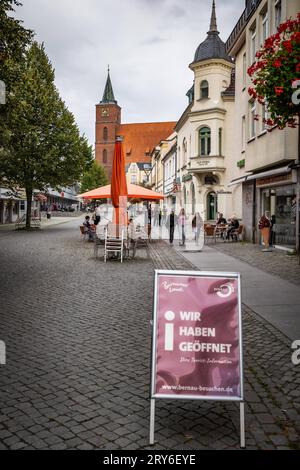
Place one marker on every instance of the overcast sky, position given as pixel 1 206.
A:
pixel 148 44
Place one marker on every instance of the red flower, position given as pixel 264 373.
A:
pixel 277 63
pixel 288 45
pixel 296 36
pixel 279 90
pixel 298 67
pixel 252 92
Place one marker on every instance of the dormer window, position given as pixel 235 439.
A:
pixel 204 89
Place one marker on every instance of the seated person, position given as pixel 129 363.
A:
pixel 88 228
pixel 233 225
pixel 221 220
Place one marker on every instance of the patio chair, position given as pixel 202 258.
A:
pixel 209 233
pixel 114 242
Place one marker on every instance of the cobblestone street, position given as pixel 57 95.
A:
pixel 78 340
pixel 279 263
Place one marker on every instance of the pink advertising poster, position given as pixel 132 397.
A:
pixel 197 336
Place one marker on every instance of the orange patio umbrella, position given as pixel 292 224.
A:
pixel 119 185
pixel 133 192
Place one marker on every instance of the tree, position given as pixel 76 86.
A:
pixel 43 146
pixel 93 178
pixel 276 74
pixel 14 39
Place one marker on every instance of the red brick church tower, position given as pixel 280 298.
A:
pixel 108 120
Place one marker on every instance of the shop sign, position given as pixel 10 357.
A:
pixel 273 180
pixel 197 337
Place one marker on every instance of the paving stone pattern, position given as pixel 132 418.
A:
pixel 279 263
pixel 78 342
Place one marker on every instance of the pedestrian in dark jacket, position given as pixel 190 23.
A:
pixel 171 223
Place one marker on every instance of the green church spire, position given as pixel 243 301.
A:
pixel 108 95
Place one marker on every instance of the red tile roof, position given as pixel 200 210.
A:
pixel 141 138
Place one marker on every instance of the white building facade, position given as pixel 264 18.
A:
pixel 205 133
pixel 265 162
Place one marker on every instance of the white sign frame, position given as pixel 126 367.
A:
pixel 154 395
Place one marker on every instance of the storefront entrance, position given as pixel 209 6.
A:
pixel 281 203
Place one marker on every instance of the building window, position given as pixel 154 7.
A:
pixel 253 45
pixel 204 89
pixel 277 13
pixel 133 179
pixel 244 70
pixel 22 206
pixel 264 116
pixel 243 133
pixel 220 140
pixel 104 156
pixel 184 147
pixel 205 141
pixel 105 133
pixel 252 120
pixel 265 26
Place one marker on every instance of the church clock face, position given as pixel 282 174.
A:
pixel 105 112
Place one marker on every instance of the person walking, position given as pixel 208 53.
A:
pixel 182 224
pixel 171 222
pixel 197 225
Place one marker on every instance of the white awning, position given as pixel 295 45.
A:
pixel 237 181
pixel 276 171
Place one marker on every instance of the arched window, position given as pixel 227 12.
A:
pixel 104 156
pixel 204 89
pixel 205 141
pixel 105 133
